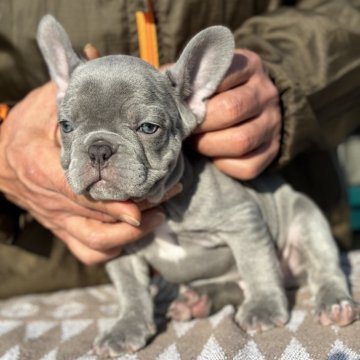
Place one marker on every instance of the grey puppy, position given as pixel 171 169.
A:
pixel 123 124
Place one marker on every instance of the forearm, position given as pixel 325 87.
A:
pixel 309 57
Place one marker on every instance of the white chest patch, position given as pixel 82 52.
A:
pixel 167 248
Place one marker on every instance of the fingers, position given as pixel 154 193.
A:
pixel 85 254
pixel 238 105
pixel 91 52
pixel 45 188
pixel 244 64
pixel 98 242
pixel 251 165
pixel 102 236
pixel 124 211
pixel 175 190
pixel 242 127
pixel 36 181
pixel 241 139
pixel 230 108
pixel 119 210
pixel 244 93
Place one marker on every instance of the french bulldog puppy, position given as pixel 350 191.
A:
pixel 123 124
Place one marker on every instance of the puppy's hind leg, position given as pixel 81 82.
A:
pixel 203 300
pixel 311 233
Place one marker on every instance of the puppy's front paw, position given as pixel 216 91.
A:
pixel 128 335
pixel 263 313
pixel 334 308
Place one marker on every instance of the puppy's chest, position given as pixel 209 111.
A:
pixel 183 261
pixel 174 243
pixel 167 244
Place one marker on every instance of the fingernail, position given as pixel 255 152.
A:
pixel 178 188
pixel 175 190
pixel 88 49
pixel 91 52
pixel 129 219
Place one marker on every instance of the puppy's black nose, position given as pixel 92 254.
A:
pixel 99 152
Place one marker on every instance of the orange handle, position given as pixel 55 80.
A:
pixel 4 110
pixel 146 30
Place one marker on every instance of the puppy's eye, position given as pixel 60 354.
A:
pixel 148 128
pixel 66 126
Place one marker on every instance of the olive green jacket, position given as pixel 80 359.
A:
pixel 311 49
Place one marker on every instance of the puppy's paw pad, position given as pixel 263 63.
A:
pixel 341 312
pixel 189 305
pixel 123 338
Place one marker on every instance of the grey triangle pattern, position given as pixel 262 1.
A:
pixel 87 357
pixel 339 351
pixel 64 324
pixel 35 329
pixel 295 351
pixel 12 354
pixel 181 328
pixel 249 352
pixel 128 357
pixel 68 310
pixel 8 325
pixel 50 355
pixel 170 353
pixel 71 328
pixel 19 309
pixel 296 319
pixel 216 319
pixel 212 351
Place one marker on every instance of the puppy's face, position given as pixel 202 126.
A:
pixel 121 130
pixel 123 121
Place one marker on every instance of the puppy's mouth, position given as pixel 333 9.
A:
pixel 91 181
pixel 128 182
pixel 96 179
pixel 101 186
pixel 96 184
pixel 102 189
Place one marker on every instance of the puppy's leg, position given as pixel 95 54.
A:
pixel 135 324
pixel 311 234
pixel 203 300
pixel 265 304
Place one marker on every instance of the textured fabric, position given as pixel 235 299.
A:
pixel 63 325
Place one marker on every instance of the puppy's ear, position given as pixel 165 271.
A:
pixel 59 55
pixel 200 69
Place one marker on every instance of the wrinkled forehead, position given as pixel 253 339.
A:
pixel 109 86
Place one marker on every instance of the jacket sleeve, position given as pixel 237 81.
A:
pixel 312 53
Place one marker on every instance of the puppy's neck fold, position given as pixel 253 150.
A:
pixel 174 176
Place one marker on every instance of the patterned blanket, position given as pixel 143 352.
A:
pixel 63 325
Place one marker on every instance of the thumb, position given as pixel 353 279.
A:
pixel 91 52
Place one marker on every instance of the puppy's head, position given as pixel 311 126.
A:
pixel 122 121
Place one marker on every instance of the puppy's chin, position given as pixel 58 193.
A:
pixel 102 190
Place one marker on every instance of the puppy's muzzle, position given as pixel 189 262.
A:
pixel 100 152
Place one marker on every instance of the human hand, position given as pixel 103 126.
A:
pixel 242 127
pixel 31 177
